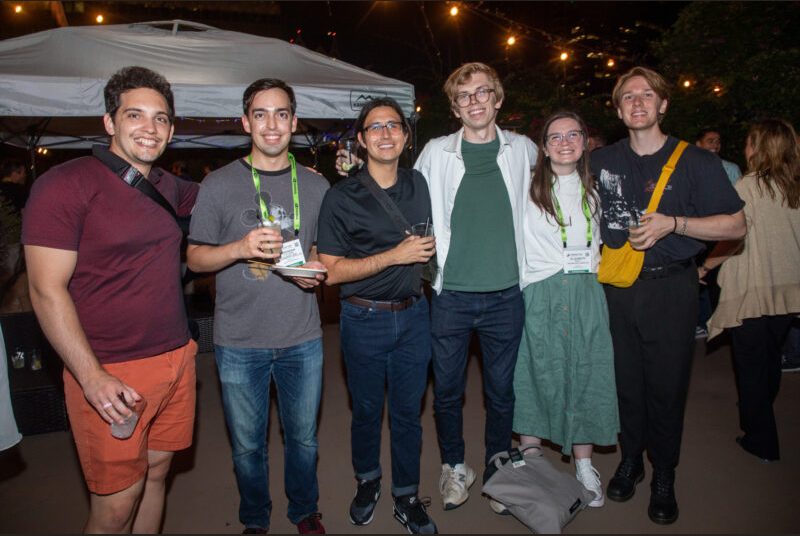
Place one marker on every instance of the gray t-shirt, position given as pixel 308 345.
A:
pixel 256 308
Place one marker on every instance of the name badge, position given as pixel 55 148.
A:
pixel 577 260
pixel 292 254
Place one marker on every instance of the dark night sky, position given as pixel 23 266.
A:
pixel 391 38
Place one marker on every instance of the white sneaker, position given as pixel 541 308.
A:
pixel 498 507
pixel 590 478
pixel 454 483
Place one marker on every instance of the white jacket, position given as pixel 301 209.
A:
pixel 443 167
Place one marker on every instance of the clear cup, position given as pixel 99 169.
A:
pixel 422 230
pixel 349 145
pixel 271 224
pixel 18 358
pixel 125 430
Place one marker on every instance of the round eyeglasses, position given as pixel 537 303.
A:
pixel 481 95
pixel 573 136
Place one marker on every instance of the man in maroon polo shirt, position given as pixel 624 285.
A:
pixel 104 269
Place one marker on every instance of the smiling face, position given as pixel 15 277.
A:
pixel 711 141
pixel 140 128
pixel 476 115
pixel 383 145
pixel 639 105
pixel 270 123
pixel 564 154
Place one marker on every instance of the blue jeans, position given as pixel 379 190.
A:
pixel 383 347
pixel 497 318
pixel 245 374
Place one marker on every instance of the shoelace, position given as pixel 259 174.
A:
pixel 591 475
pixel 451 478
pixel 662 486
pixel 365 493
pixel 415 509
pixel 310 523
pixel 627 469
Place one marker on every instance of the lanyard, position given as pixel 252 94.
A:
pixel 265 215
pixel 586 213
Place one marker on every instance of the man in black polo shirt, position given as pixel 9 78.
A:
pixel 364 242
pixel 653 321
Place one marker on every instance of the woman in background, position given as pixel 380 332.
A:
pixel 760 279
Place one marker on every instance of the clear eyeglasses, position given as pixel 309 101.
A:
pixel 393 127
pixel 481 95
pixel 573 136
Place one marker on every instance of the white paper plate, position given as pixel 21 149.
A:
pixel 298 271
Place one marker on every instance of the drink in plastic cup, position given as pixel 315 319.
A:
pixel 272 224
pixel 125 430
pixel 348 144
pixel 422 229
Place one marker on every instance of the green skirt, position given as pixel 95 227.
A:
pixel 564 377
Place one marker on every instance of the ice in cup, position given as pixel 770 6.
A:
pixel 271 224
pixel 348 144
pixel 125 430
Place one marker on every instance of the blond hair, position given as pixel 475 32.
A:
pixel 654 80
pixel 462 75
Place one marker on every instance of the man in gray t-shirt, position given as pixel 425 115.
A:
pixel 254 218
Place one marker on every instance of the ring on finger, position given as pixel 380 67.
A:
pixel 107 405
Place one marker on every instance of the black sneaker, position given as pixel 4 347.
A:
pixel 362 509
pixel 790 364
pixel 410 511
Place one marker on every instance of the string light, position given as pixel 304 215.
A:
pixel 610 62
pixel 563 56
pixel 717 90
pixel 419 109
pixel 511 41
pixel 454 11
pixel 99 19
pixel 687 83
pixel 18 9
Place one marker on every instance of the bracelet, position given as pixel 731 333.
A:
pixel 683 227
pixel 674 227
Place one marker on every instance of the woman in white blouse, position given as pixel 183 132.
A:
pixel 564 378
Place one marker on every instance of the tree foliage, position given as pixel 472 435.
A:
pixel 747 49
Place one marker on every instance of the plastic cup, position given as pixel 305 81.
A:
pixel 422 230
pixel 125 430
pixel 271 224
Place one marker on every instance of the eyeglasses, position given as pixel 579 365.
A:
pixel 393 127
pixel 573 136
pixel 481 95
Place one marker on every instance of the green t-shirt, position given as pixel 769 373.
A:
pixel 483 254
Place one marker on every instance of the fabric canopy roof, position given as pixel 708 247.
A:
pixel 51 82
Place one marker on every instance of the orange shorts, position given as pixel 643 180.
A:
pixel 167 381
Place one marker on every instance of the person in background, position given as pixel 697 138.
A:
pixel 711 140
pixel 104 270
pixel 760 279
pixel 384 321
pixel 564 378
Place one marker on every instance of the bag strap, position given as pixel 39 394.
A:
pixel 666 172
pixel 386 202
pixel 133 177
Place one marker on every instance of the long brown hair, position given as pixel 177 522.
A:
pixel 776 159
pixel 544 177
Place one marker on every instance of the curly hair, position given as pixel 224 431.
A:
pixel 129 78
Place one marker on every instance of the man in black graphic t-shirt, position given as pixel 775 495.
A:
pixel 653 321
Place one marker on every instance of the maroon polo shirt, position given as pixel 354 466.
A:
pixel 127 281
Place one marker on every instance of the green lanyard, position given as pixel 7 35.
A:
pixel 265 215
pixel 586 212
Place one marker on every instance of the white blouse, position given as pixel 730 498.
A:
pixel 544 250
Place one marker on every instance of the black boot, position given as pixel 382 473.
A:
pixel 663 507
pixel 622 485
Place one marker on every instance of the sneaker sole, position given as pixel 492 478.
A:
pixel 470 481
pixel 597 503
pixel 631 494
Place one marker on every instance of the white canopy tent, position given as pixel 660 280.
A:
pixel 51 83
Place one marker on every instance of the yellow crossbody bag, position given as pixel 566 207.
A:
pixel 621 266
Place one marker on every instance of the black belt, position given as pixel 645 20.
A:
pixel 665 270
pixel 394 306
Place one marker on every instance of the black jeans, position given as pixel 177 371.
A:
pixel 757 362
pixel 652 328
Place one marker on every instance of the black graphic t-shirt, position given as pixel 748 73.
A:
pixel 698 187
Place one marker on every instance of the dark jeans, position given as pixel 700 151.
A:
pixel 652 328
pixel 757 362
pixel 245 375
pixel 497 318
pixel 383 347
